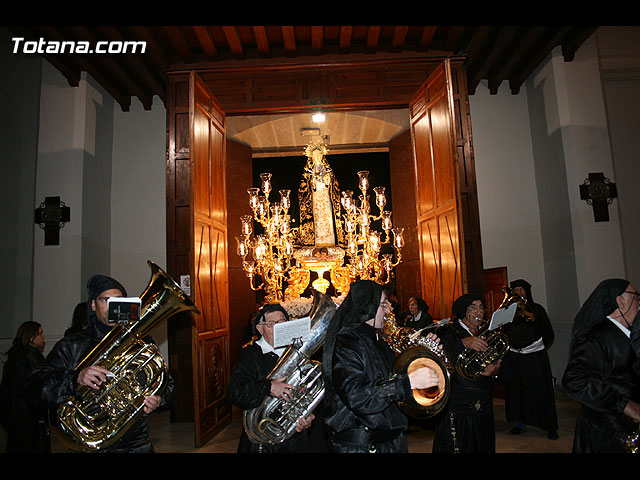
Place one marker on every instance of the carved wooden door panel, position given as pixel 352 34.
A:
pixel 209 269
pixel 439 219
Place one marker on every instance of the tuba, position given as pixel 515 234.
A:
pixel 631 443
pixel 413 351
pixel 93 420
pixel 274 421
pixel 471 363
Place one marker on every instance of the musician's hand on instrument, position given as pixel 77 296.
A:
pixel 280 389
pixel 632 409
pixel 304 422
pixel 475 343
pixel 93 376
pixel 435 338
pixel 423 378
pixel 492 369
pixel 151 403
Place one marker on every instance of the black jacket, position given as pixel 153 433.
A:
pixel 247 389
pixel 26 426
pixel 367 391
pixel 52 383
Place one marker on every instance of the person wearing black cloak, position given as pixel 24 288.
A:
pixel 55 381
pixel 600 372
pixel 249 386
pixel 418 316
pixel 361 392
pixel 466 424
pixel 529 390
pixel 26 425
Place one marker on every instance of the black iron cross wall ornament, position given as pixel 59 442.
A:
pixel 51 217
pixel 599 192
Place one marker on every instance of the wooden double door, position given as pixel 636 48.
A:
pixel 205 190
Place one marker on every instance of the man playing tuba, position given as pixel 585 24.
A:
pixel 56 381
pixel 249 385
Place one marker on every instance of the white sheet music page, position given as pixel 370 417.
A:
pixel 286 332
pixel 502 316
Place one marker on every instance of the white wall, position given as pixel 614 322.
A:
pixel 138 198
pixel 507 195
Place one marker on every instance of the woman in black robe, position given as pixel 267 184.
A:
pixel 417 316
pixel 529 394
pixel 600 373
pixel 466 424
pixel 361 392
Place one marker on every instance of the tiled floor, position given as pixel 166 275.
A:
pixel 170 437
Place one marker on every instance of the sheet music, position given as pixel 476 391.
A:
pixel 502 316
pixel 286 332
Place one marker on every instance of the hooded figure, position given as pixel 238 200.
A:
pixel 54 382
pixel 600 373
pixel 529 393
pixel 361 390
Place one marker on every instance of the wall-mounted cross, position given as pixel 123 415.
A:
pixel 599 192
pixel 51 217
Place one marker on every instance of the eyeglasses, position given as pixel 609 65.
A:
pixel 479 308
pixel 635 294
pixel 268 324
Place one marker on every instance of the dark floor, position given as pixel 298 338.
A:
pixel 170 437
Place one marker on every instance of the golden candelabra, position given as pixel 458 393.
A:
pixel 364 244
pixel 272 251
pixel 274 258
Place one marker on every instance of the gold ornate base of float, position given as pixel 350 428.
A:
pixel 319 259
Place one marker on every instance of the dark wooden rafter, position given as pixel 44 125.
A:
pixel 399 38
pixel 373 36
pixel 233 40
pixel 345 39
pixel 544 48
pixel 317 39
pixel 495 54
pixel 206 41
pixel 289 40
pixel 262 41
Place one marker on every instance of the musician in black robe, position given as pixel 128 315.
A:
pixel 466 424
pixel 362 395
pixel 529 393
pixel 600 373
pixel 249 386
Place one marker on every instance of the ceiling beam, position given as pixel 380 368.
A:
pixel 262 41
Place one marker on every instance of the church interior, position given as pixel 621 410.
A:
pixel 149 156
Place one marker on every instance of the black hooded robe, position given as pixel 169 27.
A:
pixel 529 393
pixel 362 393
pixel 600 374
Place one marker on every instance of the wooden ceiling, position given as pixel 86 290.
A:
pixel 496 54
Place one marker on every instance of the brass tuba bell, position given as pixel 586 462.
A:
pixel 93 420
pixel 413 351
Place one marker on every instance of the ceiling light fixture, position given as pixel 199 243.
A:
pixel 318 117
